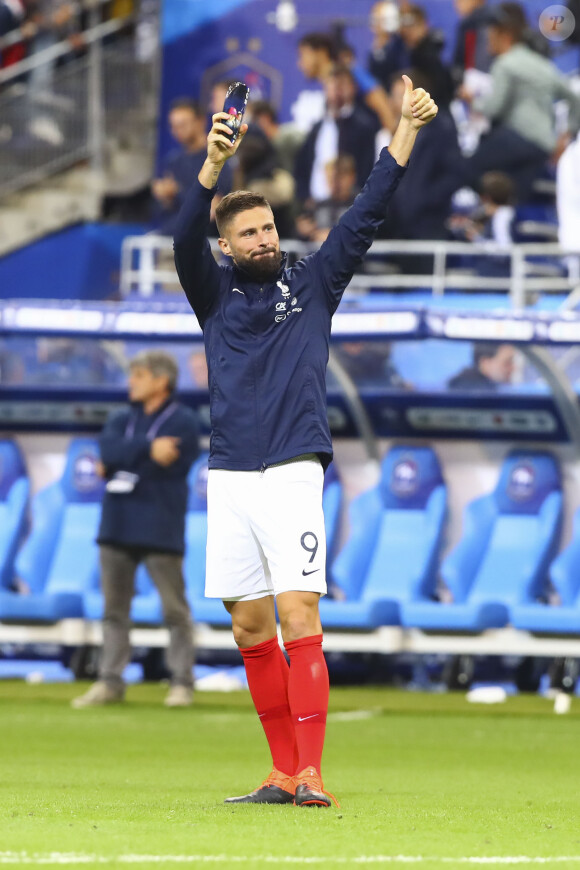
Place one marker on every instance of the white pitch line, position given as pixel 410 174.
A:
pixel 59 858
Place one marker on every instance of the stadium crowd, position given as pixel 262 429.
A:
pixel 497 131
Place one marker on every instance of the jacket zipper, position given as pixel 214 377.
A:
pixel 258 429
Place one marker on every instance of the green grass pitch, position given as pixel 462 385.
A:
pixel 423 779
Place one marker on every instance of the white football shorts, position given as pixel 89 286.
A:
pixel 265 531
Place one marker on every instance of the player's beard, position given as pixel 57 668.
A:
pixel 261 268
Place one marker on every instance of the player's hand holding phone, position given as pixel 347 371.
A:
pixel 227 128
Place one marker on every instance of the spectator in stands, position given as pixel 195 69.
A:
pixel 493 220
pixel 369 364
pixel 424 46
pixel 259 171
pixel 12 17
pixel 146 452
pixel 370 93
pixel 421 204
pixel 471 43
pixel 316 58
pixel 314 225
pixel 491 223
pixel 345 129
pixel 520 105
pixel 181 167
pixel 197 367
pixel 493 365
pixel 285 138
pixel 318 55
pixel 388 52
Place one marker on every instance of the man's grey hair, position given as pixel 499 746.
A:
pixel 158 362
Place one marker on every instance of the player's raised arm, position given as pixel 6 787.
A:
pixel 196 266
pixel 349 240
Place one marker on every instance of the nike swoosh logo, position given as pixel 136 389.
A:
pixel 235 290
pixel 306 573
pixel 304 718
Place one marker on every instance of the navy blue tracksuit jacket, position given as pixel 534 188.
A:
pixel 151 517
pixel 267 345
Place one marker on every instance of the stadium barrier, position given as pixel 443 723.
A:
pixel 531 268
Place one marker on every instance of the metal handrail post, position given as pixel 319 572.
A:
pixel 96 114
pixel 518 283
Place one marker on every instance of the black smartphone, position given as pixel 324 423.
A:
pixel 235 106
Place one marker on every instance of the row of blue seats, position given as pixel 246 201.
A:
pixel 389 571
pixel 48 556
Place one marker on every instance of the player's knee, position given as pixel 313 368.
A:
pixel 247 636
pixel 302 622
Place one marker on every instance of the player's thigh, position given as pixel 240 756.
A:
pixel 234 559
pixel 291 528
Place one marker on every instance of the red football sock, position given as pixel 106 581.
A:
pixel 308 698
pixel 267 673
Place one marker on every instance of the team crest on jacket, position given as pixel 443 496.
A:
pixel 281 307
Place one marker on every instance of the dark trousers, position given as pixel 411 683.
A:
pixel 118 567
pixel 504 150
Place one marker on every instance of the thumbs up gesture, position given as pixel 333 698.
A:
pixel 418 107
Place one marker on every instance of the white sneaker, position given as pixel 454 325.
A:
pixel 179 696
pixel 99 694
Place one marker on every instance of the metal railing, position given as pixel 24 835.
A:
pixel 57 108
pixel 531 268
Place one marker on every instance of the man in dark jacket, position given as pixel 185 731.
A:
pixel 493 365
pixel 345 129
pixel 146 453
pixel 266 330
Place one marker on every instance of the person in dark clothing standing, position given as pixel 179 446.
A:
pixel 146 453
pixel 266 328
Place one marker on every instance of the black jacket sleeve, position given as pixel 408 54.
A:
pixel 183 425
pixel 198 271
pixel 117 452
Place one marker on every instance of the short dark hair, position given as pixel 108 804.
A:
pixel 498 187
pixel 341 70
pixel 511 18
pixel 417 13
pixel 320 42
pixel 234 203
pixel 263 107
pixel 186 103
pixel 485 350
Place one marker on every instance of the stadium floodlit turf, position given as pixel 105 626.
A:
pixel 426 779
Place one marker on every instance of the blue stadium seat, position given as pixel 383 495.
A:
pixel 565 576
pixel 14 493
pixel 391 554
pixel 509 538
pixel 58 561
pixel 332 508
pixel 204 609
